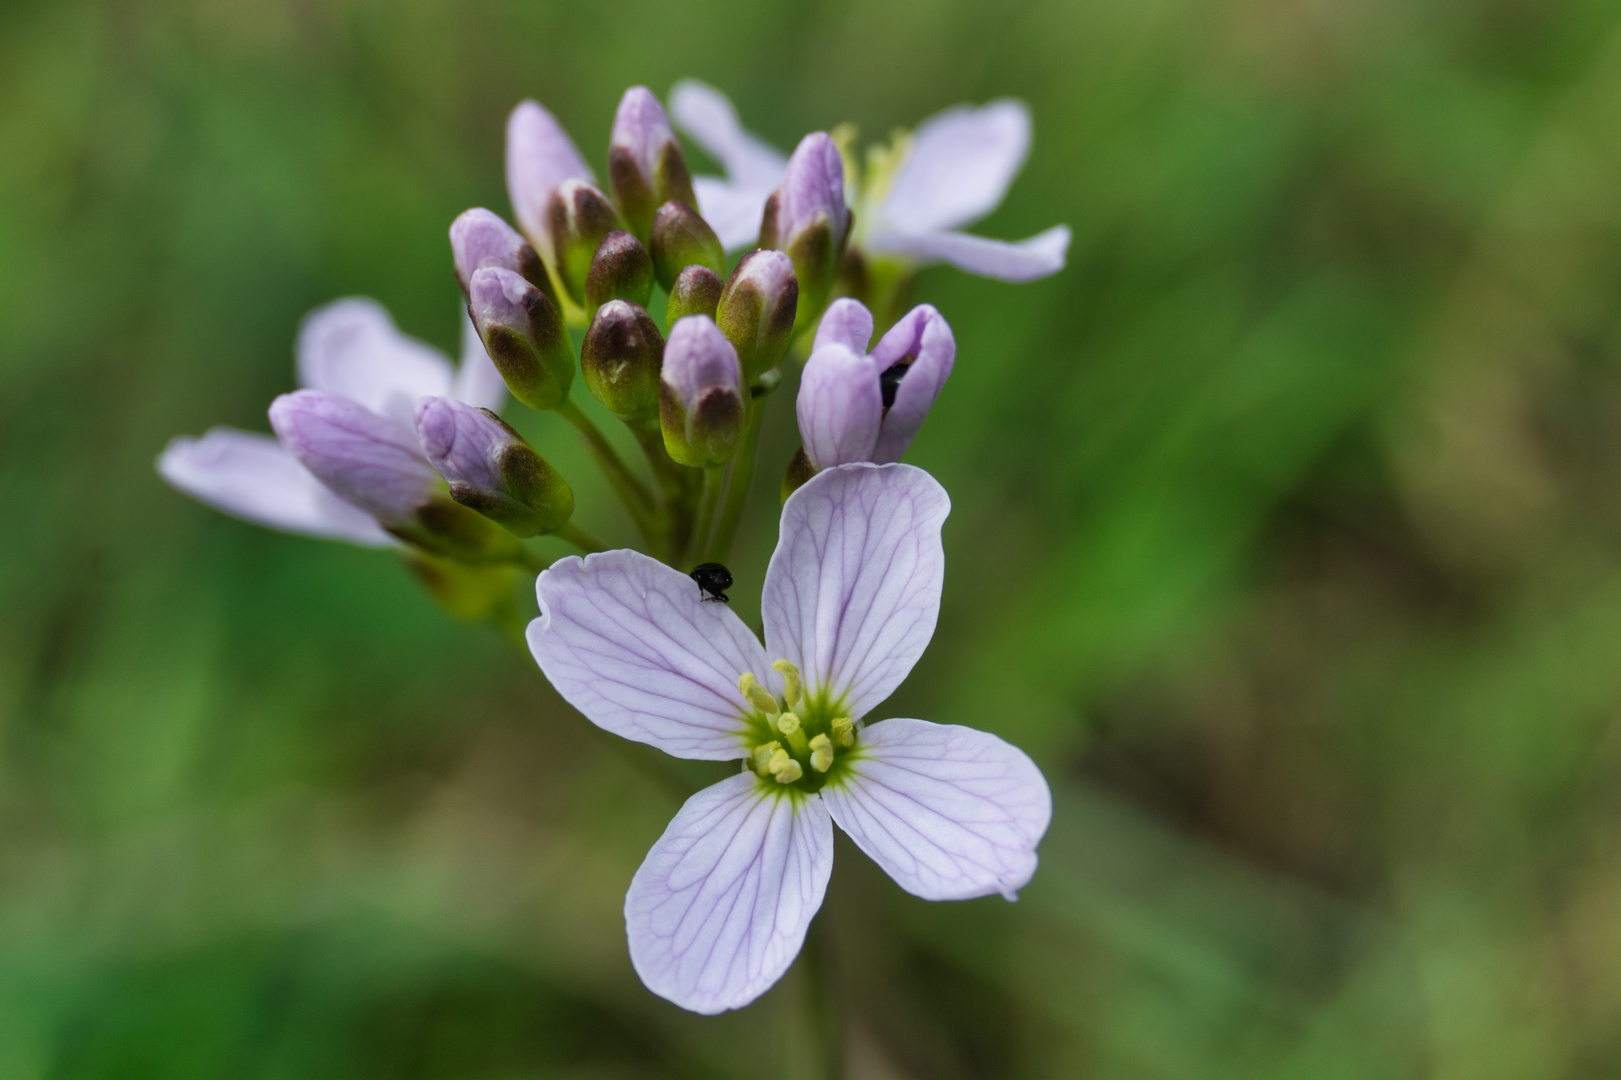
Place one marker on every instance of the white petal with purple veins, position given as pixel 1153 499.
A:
pixel 250 476
pixel 949 812
pixel 958 167
pixel 840 406
pixel 719 908
pixel 627 642
pixel 1024 260
pixel 708 117
pixel 352 348
pixel 852 593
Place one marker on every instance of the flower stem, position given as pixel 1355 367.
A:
pixel 580 538
pixel 678 487
pixel 737 491
pixel 708 505
pixel 637 499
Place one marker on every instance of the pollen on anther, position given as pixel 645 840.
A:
pixel 844 731
pixel 821 753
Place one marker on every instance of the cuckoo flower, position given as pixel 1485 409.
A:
pixel 859 407
pixel 952 171
pixel 366 378
pixel 720 907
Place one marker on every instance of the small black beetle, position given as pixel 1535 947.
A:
pixel 714 578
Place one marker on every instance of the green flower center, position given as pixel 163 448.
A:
pixel 801 740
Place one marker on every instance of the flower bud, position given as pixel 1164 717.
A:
pixel 756 310
pixel 491 469
pixel 620 359
pixel 840 406
pixel 700 394
pixel 696 292
pixel 479 238
pixel 579 216
pixel 645 165
pixel 368 460
pixel 682 238
pixel 540 156
pixel 620 270
pixel 807 218
pixel 524 335
pixel 372 462
pixel 913 360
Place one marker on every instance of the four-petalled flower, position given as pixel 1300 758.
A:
pixel 950 172
pixel 362 380
pixel 719 908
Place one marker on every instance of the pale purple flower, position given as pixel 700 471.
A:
pixel 720 907
pixel 540 157
pixel 953 170
pixel 349 350
pixel 858 407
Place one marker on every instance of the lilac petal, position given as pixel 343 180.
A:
pixel 641 129
pixel 949 812
pixel 957 168
pixel 367 459
pixel 840 406
pixel 352 348
pixel 705 114
pixel 732 210
pixel 720 906
pixel 540 156
pixel 812 190
pixel 626 641
pixel 250 476
pixel 477 381
pixel 1025 260
pixel 846 322
pixel 924 335
pixel 853 590
pixel 697 357
pixel 461 442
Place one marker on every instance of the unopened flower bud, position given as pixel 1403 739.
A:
pixel 800 469
pixel 682 238
pixel 700 394
pixel 620 270
pixel 491 468
pixel 540 156
pixel 371 461
pixel 696 292
pixel 620 359
pixel 756 310
pixel 645 165
pixel 524 335
pixel 579 216
pixel 368 460
pixel 479 238
pixel 807 217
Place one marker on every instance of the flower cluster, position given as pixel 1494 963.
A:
pixel 631 286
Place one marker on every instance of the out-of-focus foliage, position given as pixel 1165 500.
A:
pixel 1287 538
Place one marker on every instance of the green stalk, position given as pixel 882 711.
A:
pixel 708 505
pixel 580 538
pixel 737 491
pixel 637 499
pixel 678 486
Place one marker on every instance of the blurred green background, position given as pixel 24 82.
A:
pixel 1287 538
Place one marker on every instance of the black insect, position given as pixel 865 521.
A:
pixel 712 578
